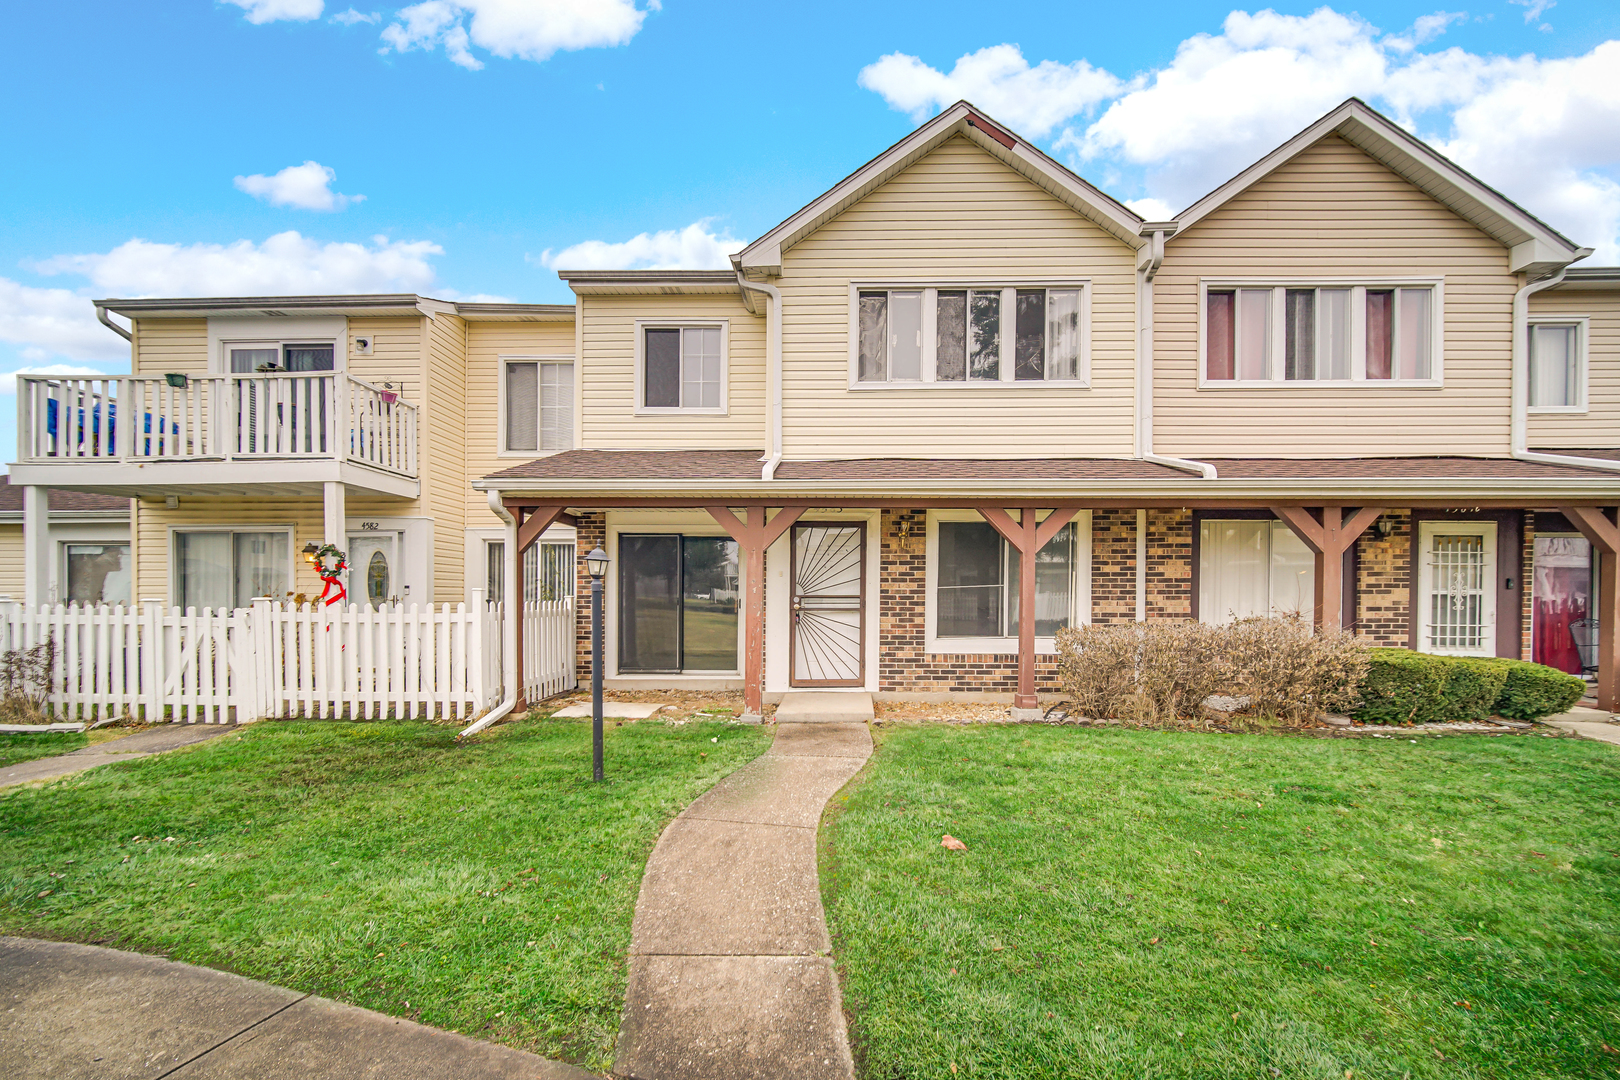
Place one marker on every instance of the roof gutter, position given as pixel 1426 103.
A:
pixel 509 657
pixel 1520 435
pixel 101 315
pixel 773 374
pixel 1145 272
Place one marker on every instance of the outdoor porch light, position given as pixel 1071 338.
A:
pixel 1384 526
pixel 309 552
pixel 597 563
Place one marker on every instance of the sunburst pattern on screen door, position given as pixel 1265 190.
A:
pixel 827 638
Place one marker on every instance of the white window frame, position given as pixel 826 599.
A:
pixel 678 525
pixel 1583 327
pixel 1046 646
pixel 225 334
pixel 59 584
pixel 930 288
pixel 242 527
pixel 642 326
pixel 1427 529
pixel 1358 287
pixel 501 360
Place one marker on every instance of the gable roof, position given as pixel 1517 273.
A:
pixel 1536 247
pixel 763 257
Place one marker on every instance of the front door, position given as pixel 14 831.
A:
pixel 374 568
pixel 828 641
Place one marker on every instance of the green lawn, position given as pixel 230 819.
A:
pixel 1155 904
pixel 15 749
pixel 486 888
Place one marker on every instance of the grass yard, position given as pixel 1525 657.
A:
pixel 15 749
pixel 485 888
pixel 1154 904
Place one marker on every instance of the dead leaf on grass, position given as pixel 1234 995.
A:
pixel 953 843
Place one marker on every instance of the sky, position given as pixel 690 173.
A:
pixel 470 148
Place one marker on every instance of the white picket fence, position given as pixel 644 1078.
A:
pixel 549 638
pixel 283 660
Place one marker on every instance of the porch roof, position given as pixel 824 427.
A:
pixel 657 476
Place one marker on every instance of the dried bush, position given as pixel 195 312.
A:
pixel 25 682
pixel 1290 671
pixel 1161 673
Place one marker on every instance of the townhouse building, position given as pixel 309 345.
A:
pixel 960 400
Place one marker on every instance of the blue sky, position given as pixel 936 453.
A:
pixel 465 148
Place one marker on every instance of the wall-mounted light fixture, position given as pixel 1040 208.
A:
pixel 1384 526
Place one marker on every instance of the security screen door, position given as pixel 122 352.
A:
pixel 829 633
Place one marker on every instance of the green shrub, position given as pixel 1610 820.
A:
pixel 1401 687
pixel 1532 691
pixel 1407 687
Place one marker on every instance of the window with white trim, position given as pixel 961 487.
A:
pixel 1457 587
pixel 1252 567
pixel 96 573
pixel 226 568
pixel 970 335
pixel 682 369
pixel 973 584
pixel 1558 365
pixel 539 412
pixel 250 357
pixel 1281 335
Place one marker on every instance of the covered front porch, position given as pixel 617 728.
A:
pixel 923 590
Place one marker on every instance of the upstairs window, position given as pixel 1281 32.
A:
pixel 682 368
pixel 970 335
pixel 539 412
pixel 1282 335
pixel 1558 366
pixel 249 357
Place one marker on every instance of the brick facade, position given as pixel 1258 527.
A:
pixel 1384 581
pixel 1169 565
pixel 1527 571
pixel 590 534
pixel 1113 566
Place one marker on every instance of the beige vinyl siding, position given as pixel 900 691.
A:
pixel 442 437
pixel 1335 212
pixel 607 377
pixel 487 342
pixel 956 215
pixel 13 581
pixel 1600 425
pixel 164 345
pixel 396 354
pixel 153 553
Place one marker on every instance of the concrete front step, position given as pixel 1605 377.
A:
pixel 824 707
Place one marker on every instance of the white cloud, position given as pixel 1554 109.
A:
pixel 1534 9
pixel 520 29
pixel 8 379
pixel 263 11
pixel 351 16
pixel 305 187
pixel 999 80
pixel 692 248
pixel 54 322
pixel 286 263
pixel 1152 209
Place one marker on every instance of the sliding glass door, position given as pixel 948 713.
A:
pixel 678 600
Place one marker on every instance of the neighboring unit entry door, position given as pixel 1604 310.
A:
pixel 374 570
pixel 828 642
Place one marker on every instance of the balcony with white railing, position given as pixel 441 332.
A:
pixel 281 429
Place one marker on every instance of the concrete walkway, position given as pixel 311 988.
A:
pixel 76 1012
pixel 1587 723
pixel 141 744
pixel 730 976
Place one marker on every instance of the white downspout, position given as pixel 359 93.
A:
pixel 1520 438
pixel 509 657
pixel 773 374
pixel 1144 368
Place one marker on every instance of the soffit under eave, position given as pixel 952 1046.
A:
pixel 718 288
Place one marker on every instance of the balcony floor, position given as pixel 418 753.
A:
pixel 158 479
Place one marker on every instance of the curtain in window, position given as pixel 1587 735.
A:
pixel 495 572
pixel 308 358
pixel 1333 333
pixel 1380 333
pixel 261 566
pixel 976 593
pixel 97 573
pixel 873 364
pixel 247 361
pixel 1220 311
pixel 1562 594
pixel 905 336
pixel 1054 584
pixel 1254 334
pixel 1552 366
pixel 1250 568
pixel 203 569
pixel 1063 334
pixel 950 352
pixel 1415 334
pixel 522 406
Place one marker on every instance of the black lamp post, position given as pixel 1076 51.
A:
pixel 597 563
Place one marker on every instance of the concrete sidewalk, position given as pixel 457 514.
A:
pixel 77 1012
pixel 730 976
pixel 1587 723
pixel 141 744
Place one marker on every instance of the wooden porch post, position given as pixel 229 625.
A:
pixel 1329 538
pixel 539 519
pixel 1596 525
pixel 753 538
pixel 1027 537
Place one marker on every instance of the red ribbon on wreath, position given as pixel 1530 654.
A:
pixel 331 577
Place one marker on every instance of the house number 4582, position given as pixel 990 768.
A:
pixel 369 526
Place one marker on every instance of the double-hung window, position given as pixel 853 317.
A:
pixel 1282 335
pixel 682 368
pixel 974 576
pixel 1558 365
pixel 539 413
pixel 969 335
pixel 1252 567
pixel 224 568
